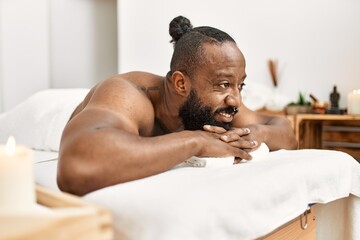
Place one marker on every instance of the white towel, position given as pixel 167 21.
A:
pixel 258 155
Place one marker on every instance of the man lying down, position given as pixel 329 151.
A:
pixel 138 124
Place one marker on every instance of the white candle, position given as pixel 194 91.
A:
pixel 354 102
pixel 17 185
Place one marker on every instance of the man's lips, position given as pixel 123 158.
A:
pixel 227 114
pixel 225 117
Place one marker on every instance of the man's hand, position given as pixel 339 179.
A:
pixel 214 146
pixel 247 139
pixel 244 138
pixel 255 135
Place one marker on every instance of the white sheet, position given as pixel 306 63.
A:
pixel 45 168
pixel 339 219
pixel 38 122
pixel 243 201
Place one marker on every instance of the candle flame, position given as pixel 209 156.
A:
pixel 10 146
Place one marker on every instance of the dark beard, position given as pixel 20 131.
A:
pixel 195 114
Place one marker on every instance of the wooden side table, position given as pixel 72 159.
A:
pixel 326 131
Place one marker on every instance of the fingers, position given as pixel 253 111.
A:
pixel 243 148
pixel 214 129
pixel 241 131
pixel 244 144
pixel 240 155
pixel 237 160
pixel 234 135
pixel 228 136
pixel 234 138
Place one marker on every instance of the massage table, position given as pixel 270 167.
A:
pixel 252 200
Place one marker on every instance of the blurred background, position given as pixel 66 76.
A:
pixel 77 43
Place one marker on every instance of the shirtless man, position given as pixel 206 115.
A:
pixel 138 124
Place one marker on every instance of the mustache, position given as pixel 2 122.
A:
pixel 228 110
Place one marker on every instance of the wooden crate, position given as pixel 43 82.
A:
pixel 326 131
pixel 342 136
pixel 62 217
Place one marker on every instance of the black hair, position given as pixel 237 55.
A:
pixel 188 42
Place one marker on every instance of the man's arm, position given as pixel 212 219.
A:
pixel 275 131
pixel 103 145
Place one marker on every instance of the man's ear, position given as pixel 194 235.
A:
pixel 181 83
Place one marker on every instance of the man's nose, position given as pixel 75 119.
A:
pixel 233 99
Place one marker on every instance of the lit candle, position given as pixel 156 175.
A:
pixel 17 185
pixel 354 102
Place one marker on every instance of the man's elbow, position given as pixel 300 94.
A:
pixel 71 180
pixel 290 140
pixel 294 144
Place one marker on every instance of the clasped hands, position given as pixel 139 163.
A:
pixel 247 139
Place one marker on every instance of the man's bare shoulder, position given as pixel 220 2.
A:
pixel 125 85
pixel 140 78
pixel 123 96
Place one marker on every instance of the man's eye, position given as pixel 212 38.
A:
pixel 241 86
pixel 224 85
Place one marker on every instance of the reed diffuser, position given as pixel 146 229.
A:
pixel 273 72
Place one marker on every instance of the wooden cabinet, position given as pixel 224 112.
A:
pixel 323 131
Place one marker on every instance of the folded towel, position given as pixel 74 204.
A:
pixel 257 155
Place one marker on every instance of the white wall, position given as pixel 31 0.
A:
pixel 316 43
pixel 67 43
pixel 55 44
pixel 84 41
pixel 24 59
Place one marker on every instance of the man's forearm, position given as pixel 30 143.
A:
pixel 278 134
pixel 104 158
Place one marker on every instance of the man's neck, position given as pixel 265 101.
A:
pixel 167 112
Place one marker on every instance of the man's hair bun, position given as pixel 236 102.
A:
pixel 178 27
